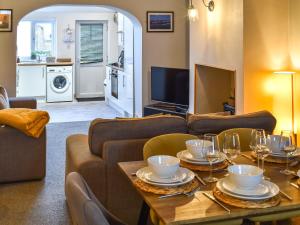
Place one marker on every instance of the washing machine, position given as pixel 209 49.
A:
pixel 59 84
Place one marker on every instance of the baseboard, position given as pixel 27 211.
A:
pixel 90 99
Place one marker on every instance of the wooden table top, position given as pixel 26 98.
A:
pixel 199 209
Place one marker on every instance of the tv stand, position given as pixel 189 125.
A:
pixel 165 108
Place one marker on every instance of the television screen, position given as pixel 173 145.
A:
pixel 170 85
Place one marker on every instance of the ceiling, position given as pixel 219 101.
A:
pixel 72 9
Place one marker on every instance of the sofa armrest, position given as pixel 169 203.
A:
pixel 23 102
pixel 80 159
pixel 21 157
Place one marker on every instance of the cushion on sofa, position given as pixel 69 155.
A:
pixel 201 124
pixel 102 130
pixel 4 102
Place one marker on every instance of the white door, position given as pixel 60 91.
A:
pixel 91 58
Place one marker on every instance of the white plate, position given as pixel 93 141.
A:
pixel 273 191
pixel 186 156
pixel 261 189
pixel 177 177
pixel 143 173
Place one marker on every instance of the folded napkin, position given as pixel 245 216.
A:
pixel 29 121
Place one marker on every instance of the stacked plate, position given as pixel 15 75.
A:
pixel 186 156
pixel 181 177
pixel 262 191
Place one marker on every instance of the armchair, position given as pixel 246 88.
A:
pixel 21 157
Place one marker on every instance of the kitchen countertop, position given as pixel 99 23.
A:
pixel 45 64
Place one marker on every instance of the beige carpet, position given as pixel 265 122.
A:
pixel 41 202
pixel 78 111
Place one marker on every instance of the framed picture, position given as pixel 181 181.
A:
pixel 5 20
pixel 160 21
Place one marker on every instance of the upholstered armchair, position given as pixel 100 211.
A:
pixel 21 157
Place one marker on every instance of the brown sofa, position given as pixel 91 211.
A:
pixel 21 157
pixel 95 156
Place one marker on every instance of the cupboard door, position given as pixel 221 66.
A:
pixel 31 81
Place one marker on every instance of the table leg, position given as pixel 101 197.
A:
pixel 144 214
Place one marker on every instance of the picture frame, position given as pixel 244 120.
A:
pixel 160 21
pixel 6 20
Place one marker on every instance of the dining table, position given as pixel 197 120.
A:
pixel 198 209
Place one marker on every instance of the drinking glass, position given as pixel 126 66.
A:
pixel 253 144
pixel 287 143
pixel 262 150
pixel 212 154
pixel 231 145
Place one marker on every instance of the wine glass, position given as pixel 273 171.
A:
pixel 253 144
pixel 231 145
pixel 262 150
pixel 212 154
pixel 287 144
pixel 260 140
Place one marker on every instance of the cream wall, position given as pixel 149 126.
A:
pixel 160 49
pixel 294 47
pixel 216 39
pixel 265 51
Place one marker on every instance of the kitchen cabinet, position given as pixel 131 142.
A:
pixel 124 102
pixel 31 81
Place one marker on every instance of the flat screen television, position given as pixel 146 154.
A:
pixel 170 85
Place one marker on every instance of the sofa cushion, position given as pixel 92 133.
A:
pixel 4 102
pixel 200 124
pixel 102 130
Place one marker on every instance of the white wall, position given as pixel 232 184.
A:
pixel 216 39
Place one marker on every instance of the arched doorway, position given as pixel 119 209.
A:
pixel 136 56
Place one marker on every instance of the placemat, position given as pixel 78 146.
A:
pixel 246 204
pixel 166 190
pixel 273 159
pixel 204 168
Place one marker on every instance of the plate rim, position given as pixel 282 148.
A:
pixel 190 177
pixel 268 196
pixel 198 162
pixel 172 181
pixel 227 180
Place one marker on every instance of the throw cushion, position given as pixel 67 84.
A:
pixel 4 102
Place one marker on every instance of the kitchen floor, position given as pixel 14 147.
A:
pixel 78 111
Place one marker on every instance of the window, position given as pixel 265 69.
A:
pixel 91 43
pixel 35 39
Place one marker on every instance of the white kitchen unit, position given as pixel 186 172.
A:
pixel 119 97
pixel 31 81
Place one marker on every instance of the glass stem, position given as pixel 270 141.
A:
pixel 258 162
pixel 262 163
pixel 211 169
pixel 287 162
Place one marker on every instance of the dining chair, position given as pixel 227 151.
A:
pixel 171 144
pixel 84 207
pixel 244 135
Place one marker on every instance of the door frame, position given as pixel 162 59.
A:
pixel 77 50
